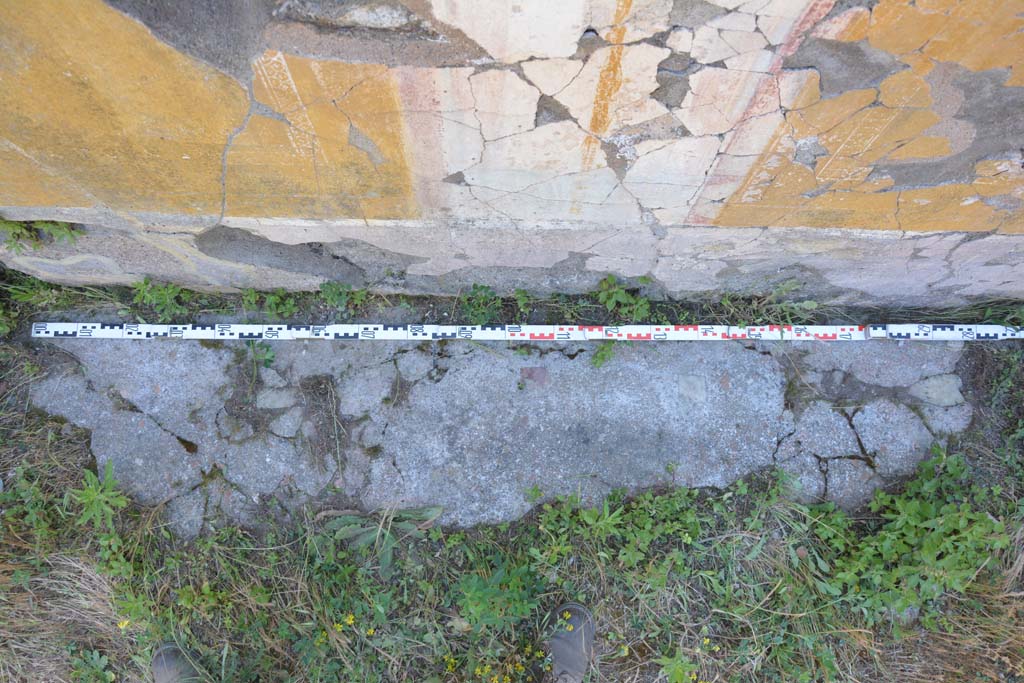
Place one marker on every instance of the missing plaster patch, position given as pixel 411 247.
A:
pixel 361 141
pixel 844 66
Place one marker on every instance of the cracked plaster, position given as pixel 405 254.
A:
pixel 311 145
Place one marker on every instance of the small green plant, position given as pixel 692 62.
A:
pixel 343 297
pixel 524 303
pixel 280 305
pixel 168 301
pixel 250 299
pixel 98 499
pixel 379 539
pixel 678 668
pixel 500 598
pixel 620 302
pixel 934 539
pixel 91 666
pixel 481 306
pixel 8 321
pixel 604 352
pixel 262 354
pixel 17 235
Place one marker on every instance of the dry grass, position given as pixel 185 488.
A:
pixel 68 604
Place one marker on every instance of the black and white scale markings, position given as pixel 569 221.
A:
pixel 368 332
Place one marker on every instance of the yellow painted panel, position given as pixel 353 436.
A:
pixel 826 114
pixel 858 133
pixel 94 98
pixel 945 207
pixel 905 89
pixel 927 147
pixel 337 149
pixel 23 182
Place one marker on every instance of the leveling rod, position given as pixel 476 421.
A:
pixel 520 333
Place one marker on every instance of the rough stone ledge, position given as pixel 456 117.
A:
pixel 434 257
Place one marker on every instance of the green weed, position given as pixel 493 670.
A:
pixel 621 302
pixel 17 235
pixel 90 666
pixel 524 303
pixel 279 305
pixel 481 305
pixel 604 352
pixel 98 499
pixel 343 297
pixel 168 301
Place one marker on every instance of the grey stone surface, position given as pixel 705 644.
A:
pixel 287 425
pixel 915 361
pixel 276 399
pixel 829 266
pixel 851 483
pixel 844 66
pixel 807 483
pixel 894 436
pixel 824 431
pixel 939 390
pixel 185 513
pixel 946 421
pixel 472 427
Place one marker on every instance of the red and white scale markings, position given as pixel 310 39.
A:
pixel 368 332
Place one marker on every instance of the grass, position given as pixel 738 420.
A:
pixel 686 585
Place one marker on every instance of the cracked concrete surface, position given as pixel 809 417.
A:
pixel 473 427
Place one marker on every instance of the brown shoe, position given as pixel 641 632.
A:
pixel 572 645
pixel 172 665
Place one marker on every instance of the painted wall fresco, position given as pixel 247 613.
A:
pixel 889 115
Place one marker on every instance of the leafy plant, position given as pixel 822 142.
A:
pixel 524 303
pixel 262 354
pixel 343 297
pixel 678 668
pixel 8 321
pixel 250 299
pixel 499 598
pixel 91 666
pixel 933 540
pixel 604 352
pixel 620 301
pixel 481 305
pixel 17 234
pixel 380 539
pixel 280 304
pixel 166 300
pixel 98 499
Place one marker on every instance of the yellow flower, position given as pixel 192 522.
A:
pixel 370 631
pixel 568 627
pixel 693 676
pixel 527 650
pixel 123 624
pixel 338 627
pixel 350 619
pixel 478 671
pixel 566 614
pixel 715 648
pixel 520 668
pixel 707 641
